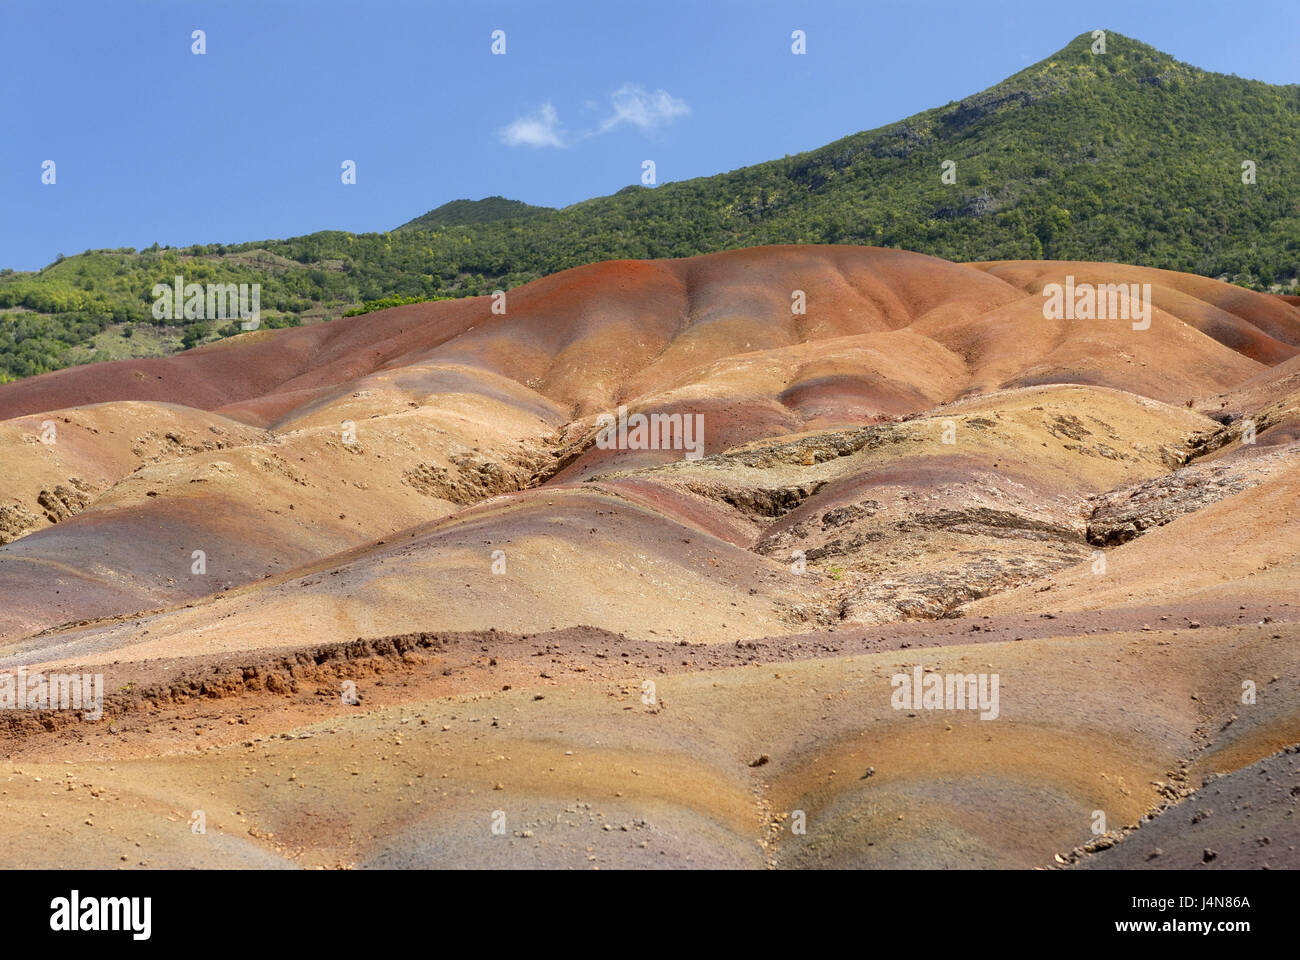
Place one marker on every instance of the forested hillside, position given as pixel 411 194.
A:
pixel 1125 156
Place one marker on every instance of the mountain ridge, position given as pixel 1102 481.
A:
pixel 1128 156
pixel 465 212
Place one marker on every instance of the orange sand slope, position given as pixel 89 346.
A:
pixel 174 480
pixel 895 463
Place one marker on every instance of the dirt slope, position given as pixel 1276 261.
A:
pixel 669 655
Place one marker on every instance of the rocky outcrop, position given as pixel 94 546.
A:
pixel 65 500
pixel 1120 515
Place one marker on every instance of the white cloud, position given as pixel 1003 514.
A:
pixel 542 129
pixel 648 111
pixel 631 104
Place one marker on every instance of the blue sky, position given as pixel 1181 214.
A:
pixel 153 143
